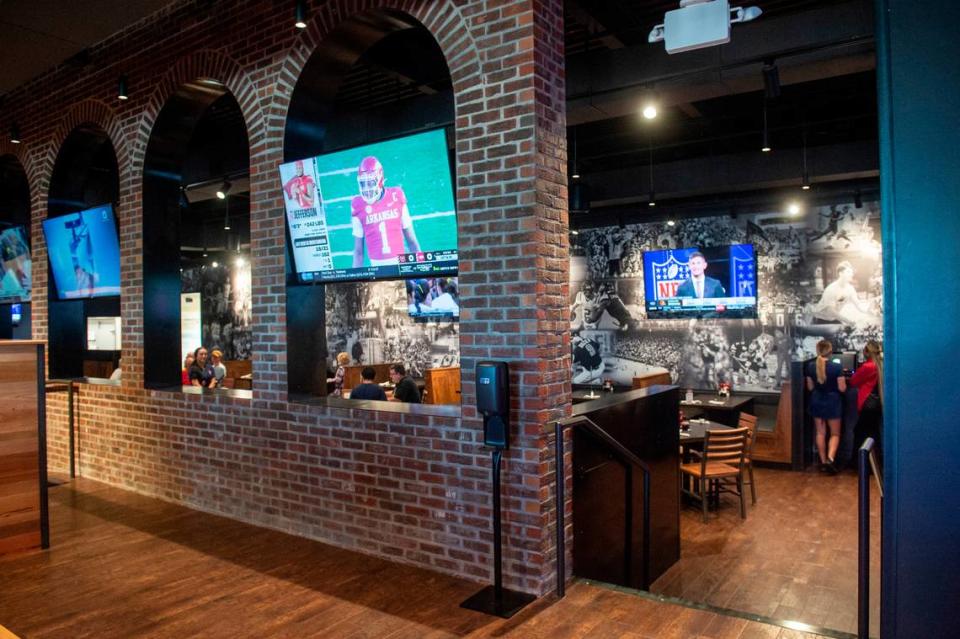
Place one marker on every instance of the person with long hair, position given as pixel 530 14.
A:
pixel 826 382
pixel 869 383
pixel 343 360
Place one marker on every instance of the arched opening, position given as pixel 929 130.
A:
pixel 15 260
pixel 378 86
pixel 83 254
pixel 196 237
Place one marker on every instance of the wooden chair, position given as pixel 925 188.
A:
pixel 720 462
pixel 749 422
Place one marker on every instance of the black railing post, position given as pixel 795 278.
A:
pixel 497 529
pixel 863 576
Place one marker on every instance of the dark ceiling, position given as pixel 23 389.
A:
pixel 834 105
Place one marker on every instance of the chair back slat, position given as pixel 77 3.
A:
pixel 724 446
pixel 749 422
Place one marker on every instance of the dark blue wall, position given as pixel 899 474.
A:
pixel 919 82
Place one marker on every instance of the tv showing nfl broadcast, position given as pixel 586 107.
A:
pixel 84 253
pixel 15 266
pixel 378 211
pixel 701 282
pixel 433 297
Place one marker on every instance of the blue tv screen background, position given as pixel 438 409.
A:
pixel 734 266
pixel 84 253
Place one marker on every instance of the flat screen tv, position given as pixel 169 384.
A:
pixel 15 265
pixel 84 253
pixel 718 281
pixel 378 211
pixel 433 297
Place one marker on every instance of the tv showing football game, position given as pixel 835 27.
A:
pixel 84 253
pixel 378 211
pixel 433 297
pixel 701 282
pixel 15 265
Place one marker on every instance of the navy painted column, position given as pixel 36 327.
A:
pixel 919 91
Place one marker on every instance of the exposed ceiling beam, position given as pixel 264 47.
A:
pixel 813 45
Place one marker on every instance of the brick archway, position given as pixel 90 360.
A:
pixel 103 116
pixel 205 64
pixel 442 18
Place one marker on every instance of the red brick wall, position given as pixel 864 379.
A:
pixel 411 488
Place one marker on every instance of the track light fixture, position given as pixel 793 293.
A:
pixel 224 189
pixel 122 88
pixel 14 133
pixel 771 80
pixel 576 174
pixel 805 179
pixel 766 134
pixel 652 200
pixel 857 199
pixel 301 15
pixel 650 105
pixel 671 223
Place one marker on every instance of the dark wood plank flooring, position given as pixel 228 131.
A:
pixel 794 558
pixel 124 565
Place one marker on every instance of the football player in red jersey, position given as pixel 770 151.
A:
pixel 380 217
pixel 300 187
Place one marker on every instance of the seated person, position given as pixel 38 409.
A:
pixel 406 389
pixel 219 369
pixel 201 373
pixel 185 371
pixel 368 389
pixel 115 376
pixel 343 359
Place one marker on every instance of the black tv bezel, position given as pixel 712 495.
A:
pixel 53 277
pixel 295 276
pixel 748 313
pixel 28 296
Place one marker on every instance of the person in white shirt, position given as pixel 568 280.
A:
pixel 698 285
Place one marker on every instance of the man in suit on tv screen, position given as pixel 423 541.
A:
pixel 698 285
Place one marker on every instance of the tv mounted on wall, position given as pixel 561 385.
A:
pixel 433 297
pixel 379 211
pixel 717 281
pixel 84 253
pixel 15 266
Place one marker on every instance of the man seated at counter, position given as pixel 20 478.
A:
pixel 368 389
pixel 201 372
pixel 406 389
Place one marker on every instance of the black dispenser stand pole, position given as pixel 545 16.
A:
pixel 495 599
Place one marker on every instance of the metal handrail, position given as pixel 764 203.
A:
pixel 629 460
pixel 868 462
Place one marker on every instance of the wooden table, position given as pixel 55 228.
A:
pixel 580 396
pixel 719 409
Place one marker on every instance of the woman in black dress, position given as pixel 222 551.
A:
pixel 826 382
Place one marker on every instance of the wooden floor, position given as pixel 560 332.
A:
pixel 123 565
pixel 794 558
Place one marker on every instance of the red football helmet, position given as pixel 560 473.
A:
pixel 370 179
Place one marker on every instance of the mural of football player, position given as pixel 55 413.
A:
pixel 588 361
pixel 300 188
pixel 380 218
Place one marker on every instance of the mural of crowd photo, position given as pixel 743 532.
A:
pixel 226 307
pixel 371 322
pixel 818 276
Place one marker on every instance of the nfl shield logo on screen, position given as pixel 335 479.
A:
pixel 668 276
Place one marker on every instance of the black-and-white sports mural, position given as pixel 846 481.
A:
pixel 374 323
pixel 818 275
pixel 226 307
